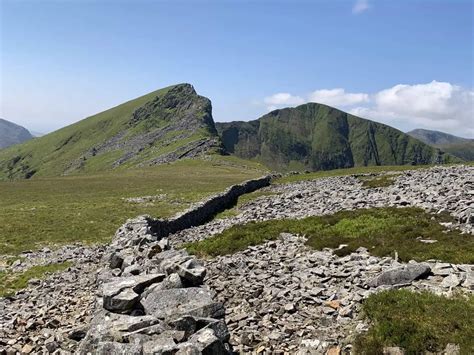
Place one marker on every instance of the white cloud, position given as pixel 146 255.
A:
pixel 360 6
pixel 337 97
pixel 435 105
pixel 283 98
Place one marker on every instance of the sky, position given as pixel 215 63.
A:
pixel 407 63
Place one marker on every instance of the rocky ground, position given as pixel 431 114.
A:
pixel 280 296
pixel 437 189
pixel 51 314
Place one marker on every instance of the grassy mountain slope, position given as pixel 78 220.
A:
pixel 318 137
pixel 11 133
pixel 460 147
pixel 162 126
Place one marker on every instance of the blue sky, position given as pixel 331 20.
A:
pixel 407 63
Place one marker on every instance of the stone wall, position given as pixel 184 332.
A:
pixel 151 297
pixel 204 211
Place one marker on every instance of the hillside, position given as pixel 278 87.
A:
pixel 460 147
pixel 318 137
pixel 11 133
pixel 159 127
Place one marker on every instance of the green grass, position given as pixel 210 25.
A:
pixel 89 208
pixel 371 182
pixel 12 282
pixel 381 230
pixel 417 322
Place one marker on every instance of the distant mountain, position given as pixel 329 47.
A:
pixel 11 133
pixel 460 147
pixel 315 137
pixel 37 134
pixel 160 127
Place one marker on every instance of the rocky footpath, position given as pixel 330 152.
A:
pixel 152 300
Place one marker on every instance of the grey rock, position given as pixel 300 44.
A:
pixel 113 348
pixel 193 301
pixel 451 281
pixel 401 275
pixel 207 342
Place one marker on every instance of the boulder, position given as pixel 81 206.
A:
pixel 401 275
pixel 122 294
pixel 193 301
pixel 207 342
pixel 160 345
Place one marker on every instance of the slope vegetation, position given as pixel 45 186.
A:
pixel 11 133
pixel 460 147
pixel 318 137
pixel 162 126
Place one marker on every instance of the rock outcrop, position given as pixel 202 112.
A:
pixel 152 300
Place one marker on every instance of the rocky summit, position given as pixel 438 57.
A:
pixel 144 294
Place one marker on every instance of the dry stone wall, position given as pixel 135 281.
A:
pixel 151 297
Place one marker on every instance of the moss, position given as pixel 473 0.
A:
pixel 417 322
pixel 381 230
pixel 378 181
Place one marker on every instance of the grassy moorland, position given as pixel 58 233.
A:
pixel 417 322
pixel 381 230
pixel 89 208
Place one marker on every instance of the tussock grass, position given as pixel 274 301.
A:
pixel 417 322
pixel 381 230
pixel 12 282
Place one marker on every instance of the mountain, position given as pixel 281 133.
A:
pixel 11 133
pixel 160 127
pixel 460 147
pixel 315 136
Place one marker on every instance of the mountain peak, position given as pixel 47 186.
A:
pixel 160 127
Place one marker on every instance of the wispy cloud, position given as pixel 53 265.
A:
pixel 360 6
pixel 433 105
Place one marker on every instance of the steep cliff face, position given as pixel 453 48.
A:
pixel 11 133
pixel 163 126
pixel 315 136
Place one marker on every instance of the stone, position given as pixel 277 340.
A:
pixel 113 348
pixel 401 275
pixel 122 302
pixel 393 350
pixel 122 294
pixel 452 349
pixel 451 281
pixel 207 342
pixel 193 301
pixel 160 345
pixel 26 349
pixel 187 324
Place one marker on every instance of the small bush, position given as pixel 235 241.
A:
pixel 417 322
